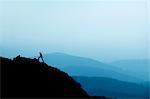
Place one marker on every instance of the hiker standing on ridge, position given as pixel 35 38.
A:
pixel 41 56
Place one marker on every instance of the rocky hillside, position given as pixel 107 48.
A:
pixel 24 77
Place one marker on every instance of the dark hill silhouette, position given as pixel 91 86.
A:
pixel 24 77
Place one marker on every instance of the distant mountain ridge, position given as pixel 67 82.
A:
pixel 138 67
pixel 81 66
pixel 113 87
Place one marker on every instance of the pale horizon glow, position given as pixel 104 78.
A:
pixel 108 31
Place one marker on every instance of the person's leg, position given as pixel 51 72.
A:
pixel 42 59
pixel 39 58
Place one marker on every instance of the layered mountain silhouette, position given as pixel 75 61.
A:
pixel 113 87
pixel 137 67
pixel 29 78
pixel 81 66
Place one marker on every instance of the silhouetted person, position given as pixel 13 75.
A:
pixel 41 56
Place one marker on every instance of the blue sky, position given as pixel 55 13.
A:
pixel 106 30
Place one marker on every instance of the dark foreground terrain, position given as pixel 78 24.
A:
pixel 28 78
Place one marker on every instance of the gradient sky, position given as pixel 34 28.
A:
pixel 106 30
